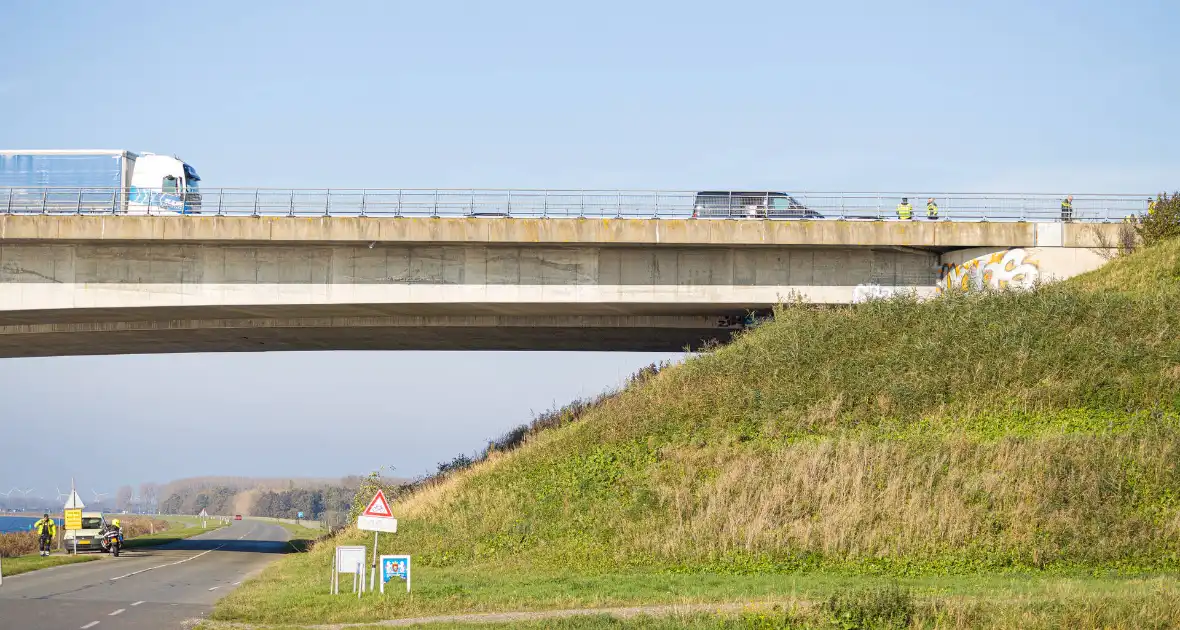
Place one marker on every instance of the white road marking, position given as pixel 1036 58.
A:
pixel 116 612
pixel 215 588
pixel 167 565
pixel 235 584
pixel 137 603
pixel 90 625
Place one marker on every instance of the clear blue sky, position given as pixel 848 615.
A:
pixel 1049 96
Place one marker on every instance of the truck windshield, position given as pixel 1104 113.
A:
pixel 92 523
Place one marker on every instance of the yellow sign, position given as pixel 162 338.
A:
pixel 74 519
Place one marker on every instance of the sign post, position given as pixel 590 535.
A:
pixel 73 514
pixel 377 518
pixel 349 559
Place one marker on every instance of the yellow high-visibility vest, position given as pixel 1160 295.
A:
pixel 905 211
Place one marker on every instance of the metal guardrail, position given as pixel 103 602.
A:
pixel 630 204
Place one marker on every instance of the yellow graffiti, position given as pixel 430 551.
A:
pixel 1000 270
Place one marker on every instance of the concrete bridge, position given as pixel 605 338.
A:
pixel 81 285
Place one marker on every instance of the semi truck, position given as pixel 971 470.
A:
pixel 97 181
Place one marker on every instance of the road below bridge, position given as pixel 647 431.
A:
pixel 143 589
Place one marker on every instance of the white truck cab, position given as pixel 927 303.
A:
pixel 90 536
pixel 161 182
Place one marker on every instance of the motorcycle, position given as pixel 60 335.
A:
pixel 112 541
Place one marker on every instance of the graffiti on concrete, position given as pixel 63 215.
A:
pixel 866 292
pixel 1002 270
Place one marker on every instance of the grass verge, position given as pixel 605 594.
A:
pixel 24 564
pixel 818 601
pixel 270 597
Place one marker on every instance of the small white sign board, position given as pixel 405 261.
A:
pixel 349 559
pixel 377 524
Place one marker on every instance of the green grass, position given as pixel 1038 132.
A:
pixel 805 601
pixel 24 564
pixel 973 437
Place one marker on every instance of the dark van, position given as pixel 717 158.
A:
pixel 750 205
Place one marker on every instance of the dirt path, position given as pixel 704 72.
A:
pixel 502 617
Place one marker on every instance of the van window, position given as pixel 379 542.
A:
pixel 169 185
pixel 92 522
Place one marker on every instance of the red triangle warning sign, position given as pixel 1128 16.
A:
pixel 378 506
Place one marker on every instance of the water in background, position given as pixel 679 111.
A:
pixel 21 523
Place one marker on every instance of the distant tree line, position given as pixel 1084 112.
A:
pixel 258 498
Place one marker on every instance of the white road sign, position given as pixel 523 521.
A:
pixel 377 524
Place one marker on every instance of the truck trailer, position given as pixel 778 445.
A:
pixel 96 181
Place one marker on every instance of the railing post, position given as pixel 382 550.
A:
pixel 657 204
pixel 255 202
pixel 435 215
pixel 364 195
pixel 398 211
pixel 291 204
pixel 44 200
pixel 220 196
pixel 619 204
pixel 79 208
pixel 582 202
pixel 545 205
pixel 328 202
pixel 471 208
pixel 509 212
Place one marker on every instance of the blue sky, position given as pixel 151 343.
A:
pixel 1001 96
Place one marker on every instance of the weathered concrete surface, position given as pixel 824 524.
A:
pixel 941 235
pixel 504 279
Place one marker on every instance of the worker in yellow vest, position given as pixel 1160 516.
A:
pixel 905 211
pixel 931 209
pixel 1067 209
pixel 1150 206
pixel 46 529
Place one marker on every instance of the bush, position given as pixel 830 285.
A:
pixel 17 544
pixel 884 607
pixel 1163 224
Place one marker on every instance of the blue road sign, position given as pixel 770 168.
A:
pixel 395 567
pixel 301 515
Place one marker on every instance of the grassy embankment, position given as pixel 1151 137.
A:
pixel 1010 455
pixel 19 550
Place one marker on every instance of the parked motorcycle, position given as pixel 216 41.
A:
pixel 112 542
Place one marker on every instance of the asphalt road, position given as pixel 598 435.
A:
pixel 150 588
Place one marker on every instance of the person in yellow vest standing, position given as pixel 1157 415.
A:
pixel 1150 206
pixel 931 209
pixel 905 211
pixel 46 529
pixel 1067 209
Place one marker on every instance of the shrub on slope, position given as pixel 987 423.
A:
pixel 1018 429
